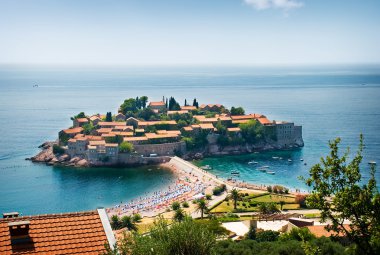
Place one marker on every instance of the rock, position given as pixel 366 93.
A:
pixel 74 160
pixel 82 163
pixel 63 158
pixel 198 155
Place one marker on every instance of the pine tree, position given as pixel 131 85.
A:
pixel 185 102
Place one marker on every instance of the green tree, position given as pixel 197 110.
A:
pixel 282 203
pixel 235 196
pixel 144 100
pixel 136 217
pixel 267 236
pixel 179 215
pixel 339 193
pixel 175 205
pixel 88 128
pixel 201 206
pixel 109 117
pixel 129 105
pixel 79 115
pixel 127 222
pixel 126 147
pixel 237 111
pixel 252 131
pixel 115 222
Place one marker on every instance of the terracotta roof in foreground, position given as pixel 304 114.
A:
pixel 68 233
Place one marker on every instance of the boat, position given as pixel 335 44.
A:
pixel 271 172
pixel 261 169
pixel 280 158
pixel 301 159
pixel 235 173
pixel 305 163
pixel 275 157
pixel 265 166
pixel 206 167
pixel 252 162
pixel 372 162
pixel 289 160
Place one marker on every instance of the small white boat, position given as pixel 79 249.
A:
pixel 289 160
pixel 301 159
pixel 275 157
pixel 271 172
pixel 206 167
pixel 280 158
pixel 252 162
pixel 372 162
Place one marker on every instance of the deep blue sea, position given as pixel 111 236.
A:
pixel 327 101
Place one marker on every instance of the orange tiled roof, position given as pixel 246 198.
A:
pixel 189 128
pixel 174 132
pixel 135 138
pixel 157 122
pixel 158 136
pixel 206 126
pixel 94 138
pixel 69 233
pixel 188 107
pixel 245 117
pixel 319 230
pixel 240 121
pixel 235 129
pixel 104 130
pixel 179 112
pixel 73 130
pixel 101 142
pixel 111 124
pixel 82 120
pixel 94 117
pixel 157 103
pixel 264 121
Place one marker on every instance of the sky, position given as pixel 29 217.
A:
pixel 189 32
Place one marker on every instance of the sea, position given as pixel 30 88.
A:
pixel 36 102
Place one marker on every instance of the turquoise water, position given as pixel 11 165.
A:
pixel 327 101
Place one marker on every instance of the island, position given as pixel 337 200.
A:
pixel 151 132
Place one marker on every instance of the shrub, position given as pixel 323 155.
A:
pixel 269 189
pixel 208 196
pixel 267 236
pixel 136 217
pixel 185 204
pixel 126 147
pixel 219 190
pixel 176 205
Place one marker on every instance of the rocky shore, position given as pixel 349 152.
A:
pixel 47 156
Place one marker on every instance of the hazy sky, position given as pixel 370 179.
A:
pixel 155 32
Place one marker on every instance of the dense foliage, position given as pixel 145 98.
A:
pixel 252 131
pixel 339 193
pixel 126 147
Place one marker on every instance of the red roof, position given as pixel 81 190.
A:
pixel 73 130
pixel 264 121
pixel 69 233
pixel 157 103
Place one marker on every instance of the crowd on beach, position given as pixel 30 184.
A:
pixel 182 190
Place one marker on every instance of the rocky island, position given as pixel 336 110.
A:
pixel 144 132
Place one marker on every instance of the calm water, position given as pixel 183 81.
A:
pixel 328 101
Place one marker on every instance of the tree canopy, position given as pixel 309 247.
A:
pixel 339 192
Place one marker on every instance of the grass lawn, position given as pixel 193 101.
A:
pixel 256 199
pixel 274 198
